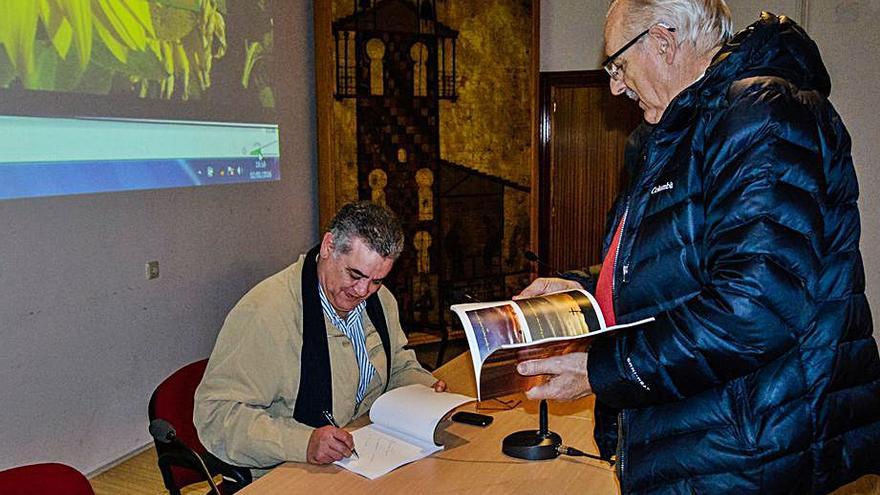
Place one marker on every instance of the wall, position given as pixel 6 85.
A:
pixel 846 32
pixel 571 39
pixel 84 338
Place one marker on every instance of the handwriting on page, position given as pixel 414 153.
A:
pixel 378 446
pixel 380 453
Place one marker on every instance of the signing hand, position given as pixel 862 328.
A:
pixel 439 386
pixel 569 380
pixel 328 444
pixel 544 285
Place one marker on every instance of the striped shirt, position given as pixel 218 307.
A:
pixel 353 328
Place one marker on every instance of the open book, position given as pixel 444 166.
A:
pixel 404 422
pixel 502 333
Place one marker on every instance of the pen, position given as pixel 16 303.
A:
pixel 333 423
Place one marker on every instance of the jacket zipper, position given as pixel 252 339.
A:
pixel 624 270
pixel 617 254
pixel 619 465
pixel 620 415
pixel 620 461
pixel 620 440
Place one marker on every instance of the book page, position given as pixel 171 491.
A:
pixel 501 334
pixel 495 325
pixel 560 314
pixel 414 410
pixel 381 451
pixel 491 326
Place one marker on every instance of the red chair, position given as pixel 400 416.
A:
pixel 173 401
pixel 44 479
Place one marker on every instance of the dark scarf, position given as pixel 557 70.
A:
pixel 315 386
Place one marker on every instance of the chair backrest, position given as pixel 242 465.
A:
pixel 44 479
pixel 173 401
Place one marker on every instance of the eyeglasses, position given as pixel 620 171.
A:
pixel 615 70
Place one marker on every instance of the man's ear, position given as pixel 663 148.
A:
pixel 327 245
pixel 665 40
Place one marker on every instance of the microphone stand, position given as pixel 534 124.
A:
pixel 207 471
pixel 163 432
pixel 541 443
pixel 533 444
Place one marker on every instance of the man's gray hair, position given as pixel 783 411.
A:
pixel 375 225
pixel 706 24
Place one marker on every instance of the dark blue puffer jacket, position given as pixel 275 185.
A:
pixel 741 235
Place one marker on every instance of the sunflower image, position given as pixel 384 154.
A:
pixel 153 48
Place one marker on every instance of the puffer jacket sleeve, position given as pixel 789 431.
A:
pixel 761 244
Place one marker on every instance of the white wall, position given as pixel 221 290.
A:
pixel 846 32
pixel 84 338
pixel 571 34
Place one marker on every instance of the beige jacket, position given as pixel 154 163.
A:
pixel 244 406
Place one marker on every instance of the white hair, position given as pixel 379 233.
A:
pixel 706 24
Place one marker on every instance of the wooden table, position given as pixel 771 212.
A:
pixel 472 461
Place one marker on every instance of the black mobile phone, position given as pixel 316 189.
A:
pixel 472 418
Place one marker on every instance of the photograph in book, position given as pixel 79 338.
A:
pixel 563 314
pixel 502 333
pixel 493 327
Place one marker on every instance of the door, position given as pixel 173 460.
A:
pixel 580 171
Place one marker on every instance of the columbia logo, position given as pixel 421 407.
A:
pixel 662 187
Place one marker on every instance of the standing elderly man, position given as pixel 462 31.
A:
pixel 740 234
pixel 321 335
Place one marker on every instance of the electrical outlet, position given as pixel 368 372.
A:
pixel 152 270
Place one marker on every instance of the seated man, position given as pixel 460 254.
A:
pixel 315 337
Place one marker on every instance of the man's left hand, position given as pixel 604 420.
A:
pixel 569 380
pixel 439 386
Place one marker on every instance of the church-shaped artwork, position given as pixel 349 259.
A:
pixel 396 68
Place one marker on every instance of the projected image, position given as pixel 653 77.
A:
pixel 110 95
pixel 50 157
pixel 164 49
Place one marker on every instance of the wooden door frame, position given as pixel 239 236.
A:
pixel 549 81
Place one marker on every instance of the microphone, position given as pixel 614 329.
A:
pixel 163 432
pixel 531 256
pixel 462 294
pixel 469 297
